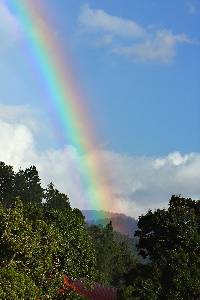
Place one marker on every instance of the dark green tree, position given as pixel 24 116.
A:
pixel 170 241
pixel 7 177
pixel 54 199
pixel 28 185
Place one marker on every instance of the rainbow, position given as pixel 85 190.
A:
pixel 64 96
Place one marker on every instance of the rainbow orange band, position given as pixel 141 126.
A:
pixel 64 96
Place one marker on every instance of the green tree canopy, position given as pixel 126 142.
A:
pixel 170 241
pixel 114 257
pixel 41 239
pixel 28 185
pixel 7 183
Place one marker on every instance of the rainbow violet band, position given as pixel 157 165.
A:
pixel 65 98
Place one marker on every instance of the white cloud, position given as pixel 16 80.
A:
pixel 19 114
pixel 99 20
pixel 9 26
pixel 127 37
pixel 14 113
pixel 138 182
pixel 160 47
pixel 18 148
pixel 173 159
pixel 16 144
pixel 148 182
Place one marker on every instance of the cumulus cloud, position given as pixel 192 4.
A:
pixel 9 27
pixel 16 144
pixel 138 183
pixel 18 148
pixel 21 114
pixel 127 37
pixel 173 159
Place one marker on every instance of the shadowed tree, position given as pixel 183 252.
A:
pixel 7 177
pixel 170 240
pixel 54 199
pixel 28 185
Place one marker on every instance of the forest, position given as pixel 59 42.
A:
pixel 46 246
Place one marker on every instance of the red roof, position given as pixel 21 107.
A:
pixel 98 292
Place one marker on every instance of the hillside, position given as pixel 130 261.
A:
pixel 121 223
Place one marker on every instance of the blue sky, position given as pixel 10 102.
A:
pixel 142 107
pixel 138 62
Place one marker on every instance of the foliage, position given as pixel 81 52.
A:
pixel 7 183
pixel 16 285
pixel 28 185
pixel 75 242
pixel 170 240
pixel 29 248
pixel 114 256
pixel 41 239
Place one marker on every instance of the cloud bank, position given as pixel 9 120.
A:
pixel 128 38
pixel 139 183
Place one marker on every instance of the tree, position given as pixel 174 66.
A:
pixel 28 185
pixel 114 257
pixel 54 199
pixel 76 255
pixel 28 248
pixel 40 242
pixel 170 241
pixel 16 285
pixel 7 177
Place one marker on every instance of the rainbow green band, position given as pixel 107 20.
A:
pixel 64 96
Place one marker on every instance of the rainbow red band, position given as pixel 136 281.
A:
pixel 64 96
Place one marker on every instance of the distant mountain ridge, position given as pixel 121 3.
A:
pixel 121 223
